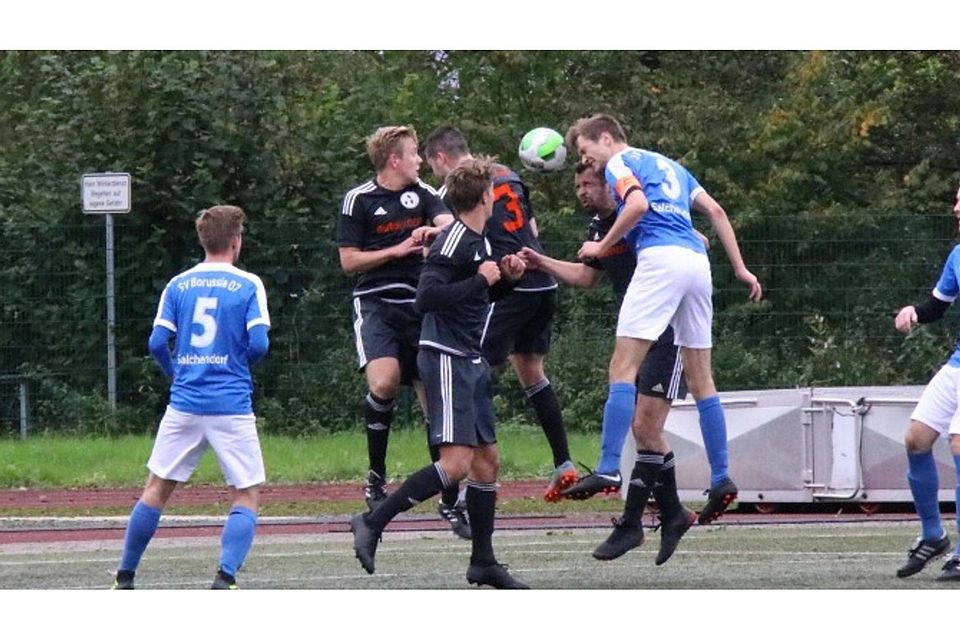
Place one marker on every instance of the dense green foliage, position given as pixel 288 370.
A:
pixel 837 169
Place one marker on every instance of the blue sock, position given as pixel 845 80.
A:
pixel 237 539
pixel 617 416
pixel 924 484
pixel 140 529
pixel 956 465
pixel 713 429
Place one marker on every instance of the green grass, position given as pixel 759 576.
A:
pixel 813 556
pixel 54 462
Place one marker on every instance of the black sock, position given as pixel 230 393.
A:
pixel 423 484
pixel 641 484
pixel 665 488
pixel 378 413
pixel 545 405
pixel 449 494
pixel 481 504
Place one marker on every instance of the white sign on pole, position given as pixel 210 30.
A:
pixel 105 193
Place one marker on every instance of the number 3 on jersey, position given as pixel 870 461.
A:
pixel 204 319
pixel 512 207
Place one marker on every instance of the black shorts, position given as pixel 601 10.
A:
pixel 386 328
pixel 661 374
pixel 520 322
pixel 459 400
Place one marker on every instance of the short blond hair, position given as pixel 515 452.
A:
pixel 592 127
pixel 218 225
pixel 388 141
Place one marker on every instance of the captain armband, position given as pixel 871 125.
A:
pixel 931 309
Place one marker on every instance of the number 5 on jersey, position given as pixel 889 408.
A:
pixel 204 319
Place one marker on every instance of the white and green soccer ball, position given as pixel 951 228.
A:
pixel 542 149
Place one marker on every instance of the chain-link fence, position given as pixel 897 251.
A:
pixel 831 287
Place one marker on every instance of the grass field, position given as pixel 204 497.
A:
pixel 728 557
pixel 51 462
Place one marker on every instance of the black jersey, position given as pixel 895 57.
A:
pixel 453 298
pixel 374 217
pixel 618 262
pixel 509 228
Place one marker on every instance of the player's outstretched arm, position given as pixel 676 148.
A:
pixel 356 260
pixel 575 274
pixel 706 205
pixel 160 349
pixel 633 209
pixel 928 311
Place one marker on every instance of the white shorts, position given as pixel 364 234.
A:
pixel 671 286
pixel 938 404
pixel 183 438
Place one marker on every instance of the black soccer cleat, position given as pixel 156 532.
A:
pixel 224 582
pixel 494 575
pixel 123 581
pixel 671 531
pixel 718 499
pixel 456 516
pixel 376 490
pixel 592 484
pixel 922 552
pixel 950 571
pixel 365 539
pixel 626 535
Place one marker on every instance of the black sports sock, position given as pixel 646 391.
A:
pixel 449 494
pixel 378 413
pixel 420 486
pixel 545 405
pixel 641 484
pixel 665 487
pixel 481 504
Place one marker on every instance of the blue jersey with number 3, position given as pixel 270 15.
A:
pixel 670 190
pixel 947 290
pixel 211 308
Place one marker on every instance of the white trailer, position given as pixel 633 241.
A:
pixel 830 444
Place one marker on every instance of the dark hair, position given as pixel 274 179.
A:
pixel 448 139
pixel 387 141
pixel 467 183
pixel 592 127
pixel 218 225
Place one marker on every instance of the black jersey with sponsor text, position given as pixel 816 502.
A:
pixel 618 262
pixel 452 296
pixel 509 228
pixel 373 217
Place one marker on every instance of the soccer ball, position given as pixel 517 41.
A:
pixel 542 149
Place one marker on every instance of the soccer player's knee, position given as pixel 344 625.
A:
pixel 920 438
pixel 384 387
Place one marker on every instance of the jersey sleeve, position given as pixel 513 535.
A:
pixel 621 177
pixel 350 225
pixel 433 204
pixel 693 188
pixel 948 288
pixel 167 309
pixel 257 313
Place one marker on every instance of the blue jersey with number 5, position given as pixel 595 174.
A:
pixel 211 309
pixel 670 190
